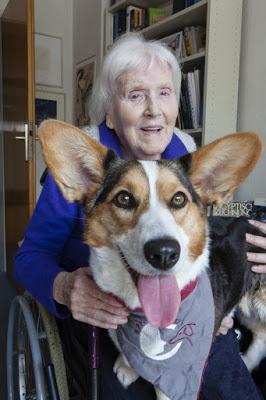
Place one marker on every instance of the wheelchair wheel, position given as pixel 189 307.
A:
pixel 33 347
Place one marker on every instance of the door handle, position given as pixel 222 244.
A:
pixel 26 139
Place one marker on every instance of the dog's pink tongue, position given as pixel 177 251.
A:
pixel 160 299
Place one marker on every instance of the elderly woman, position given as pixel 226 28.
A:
pixel 134 108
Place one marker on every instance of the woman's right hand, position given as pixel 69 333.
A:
pixel 86 301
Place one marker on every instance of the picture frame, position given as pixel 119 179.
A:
pixel 85 77
pixel 49 105
pixel 48 60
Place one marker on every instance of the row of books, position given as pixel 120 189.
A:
pixel 191 40
pixel 133 19
pixel 178 5
pixel 191 100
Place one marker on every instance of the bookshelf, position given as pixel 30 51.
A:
pixel 220 58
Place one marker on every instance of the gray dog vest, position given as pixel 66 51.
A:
pixel 173 358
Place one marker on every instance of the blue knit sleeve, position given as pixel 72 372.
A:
pixel 39 259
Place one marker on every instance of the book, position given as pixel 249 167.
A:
pixel 119 23
pixel 155 15
pixel 201 89
pixel 196 73
pixel 188 40
pixel 178 5
pixel 185 104
pixel 195 39
pixel 194 43
pixel 174 41
pixel 200 32
pixel 192 99
pixel 179 45
pixel 189 3
pixel 170 41
pixel 135 18
pixel 234 209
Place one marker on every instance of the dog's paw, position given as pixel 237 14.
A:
pixel 160 395
pixel 125 374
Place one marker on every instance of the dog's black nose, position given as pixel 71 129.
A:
pixel 162 253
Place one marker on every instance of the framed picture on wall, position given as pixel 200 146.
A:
pixel 85 75
pixel 49 105
pixel 48 60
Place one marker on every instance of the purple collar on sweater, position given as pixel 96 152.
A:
pixel 108 138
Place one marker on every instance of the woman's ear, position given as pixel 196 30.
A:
pixel 109 121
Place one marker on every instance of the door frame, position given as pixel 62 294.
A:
pixel 31 102
pixel 2 195
pixel 31 122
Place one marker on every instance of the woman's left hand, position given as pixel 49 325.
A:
pixel 259 241
pixel 226 324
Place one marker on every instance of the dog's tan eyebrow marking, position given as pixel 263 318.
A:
pixel 115 171
pixel 168 184
pixel 180 168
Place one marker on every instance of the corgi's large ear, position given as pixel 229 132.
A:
pixel 219 168
pixel 75 160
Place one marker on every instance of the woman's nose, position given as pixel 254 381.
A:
pixel 152 106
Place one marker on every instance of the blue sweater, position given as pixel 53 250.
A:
pixel 54 236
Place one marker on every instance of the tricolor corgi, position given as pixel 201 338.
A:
pixel 151 246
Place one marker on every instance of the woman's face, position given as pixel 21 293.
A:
pixel 144 111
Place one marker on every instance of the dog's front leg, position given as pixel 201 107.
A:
pixel 125 374
pixel 160 395
pixel 256 351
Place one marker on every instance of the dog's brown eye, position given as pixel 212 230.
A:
pixel 125 200
pixel 179 200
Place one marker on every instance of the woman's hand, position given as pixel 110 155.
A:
pixel 259 241
pixel 86 301
pixel 227 323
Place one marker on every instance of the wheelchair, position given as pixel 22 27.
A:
pixel 36 367
pixel 35 361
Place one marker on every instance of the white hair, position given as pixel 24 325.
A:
pixel 129 52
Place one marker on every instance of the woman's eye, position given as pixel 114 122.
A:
pixel 165 92
pixel 179 200
pixel 125 200
pixel 136 96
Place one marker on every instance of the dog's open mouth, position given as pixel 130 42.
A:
pixel 159 295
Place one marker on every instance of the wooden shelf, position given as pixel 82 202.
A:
pixel 193 15
pixel 193 57
pixel 138 3
pixel 194 60
pixel 192 131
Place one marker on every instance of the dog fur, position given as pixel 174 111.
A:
pixel 130 203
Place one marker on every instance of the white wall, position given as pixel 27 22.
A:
pixel 55 18
pixel 87 30
pixel 252 90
